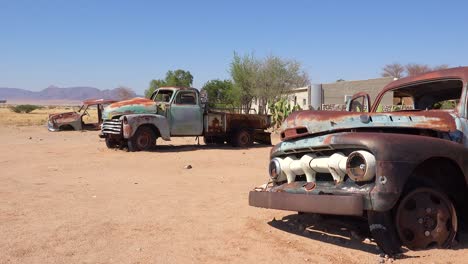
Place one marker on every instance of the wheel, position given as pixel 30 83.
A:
pixel 242 138
pixel 426 218
pixel 111 143
pixel 143 139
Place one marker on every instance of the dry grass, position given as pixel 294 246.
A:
pixel 39 117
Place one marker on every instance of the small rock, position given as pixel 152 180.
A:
pixel 188 167
pixel 306 259
pixel 30 137
pixel 386 256
pixel 138 249
pixel 94 196
pixel 274 219
pixel 381 260
pixel 367 240
pixel 381 255
pixel 40 139
pixel 135 183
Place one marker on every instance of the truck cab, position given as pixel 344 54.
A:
pixel 182 108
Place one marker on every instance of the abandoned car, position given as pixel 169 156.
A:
pixel 75 120
pixel 403 166
pixel 178 112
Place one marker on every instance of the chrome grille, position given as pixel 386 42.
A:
pixel 112 126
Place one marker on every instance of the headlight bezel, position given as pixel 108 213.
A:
pixel 360 166
pixel 274 168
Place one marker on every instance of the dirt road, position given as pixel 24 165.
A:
pixel 66 198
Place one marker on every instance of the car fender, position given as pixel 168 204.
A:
pixel 132 122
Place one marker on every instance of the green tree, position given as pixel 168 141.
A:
pixel 179 78
pixel 173 78
pixel 221 93
pixel 244 73
pixel 275 77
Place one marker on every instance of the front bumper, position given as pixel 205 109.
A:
pixel 310 203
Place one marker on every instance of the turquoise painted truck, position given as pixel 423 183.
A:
pixel 178 112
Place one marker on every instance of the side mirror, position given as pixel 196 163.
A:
pixel 203 97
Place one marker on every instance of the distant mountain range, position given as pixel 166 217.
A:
pixel 69 93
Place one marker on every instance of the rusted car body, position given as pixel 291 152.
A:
pixel 178 112
pixel 405 170
pixel 74 120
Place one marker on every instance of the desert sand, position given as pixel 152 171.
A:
pixel 66 198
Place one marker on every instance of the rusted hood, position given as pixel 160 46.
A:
pixel 302 123
pixel 64 117
pixel 137 105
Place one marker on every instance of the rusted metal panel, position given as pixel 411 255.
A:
pixel 329 121
pixel 136 120
pixel 133 106
pixel 91 102
pixel 215 123
pixel 322 204
pixel 250 121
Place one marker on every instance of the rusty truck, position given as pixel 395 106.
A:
pixel 178 112
pixel 76 120
pixel 404 167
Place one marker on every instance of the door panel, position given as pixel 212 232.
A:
pixel 186 115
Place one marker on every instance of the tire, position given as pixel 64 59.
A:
pixel 424 218
pixel 143 139
pixel 242 139
pixel 111 143
pixel 383 231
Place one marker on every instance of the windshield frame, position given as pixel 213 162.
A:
pixel 155 93
pixel 381 95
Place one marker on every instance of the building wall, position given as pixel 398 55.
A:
pixel 299 96
pixel 333 94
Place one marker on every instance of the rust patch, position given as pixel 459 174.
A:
pixel 134 101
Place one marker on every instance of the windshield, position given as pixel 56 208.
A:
pixel 162 96
pixel 441 94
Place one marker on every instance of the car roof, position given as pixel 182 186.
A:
pixel 98 101
pixel 452 73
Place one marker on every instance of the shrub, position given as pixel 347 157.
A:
pixel 24 108
pixel 280 110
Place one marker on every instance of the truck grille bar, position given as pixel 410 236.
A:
pixel 112 126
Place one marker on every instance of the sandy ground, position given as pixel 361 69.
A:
pixel 66 198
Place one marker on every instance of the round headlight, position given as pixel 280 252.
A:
pixel 274 169
pixel 360 165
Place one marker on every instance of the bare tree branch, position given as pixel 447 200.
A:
pixel 395 70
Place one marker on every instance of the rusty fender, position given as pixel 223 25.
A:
pixel 132 122
pixel 397 156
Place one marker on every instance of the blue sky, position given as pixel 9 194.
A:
pixel 105 44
